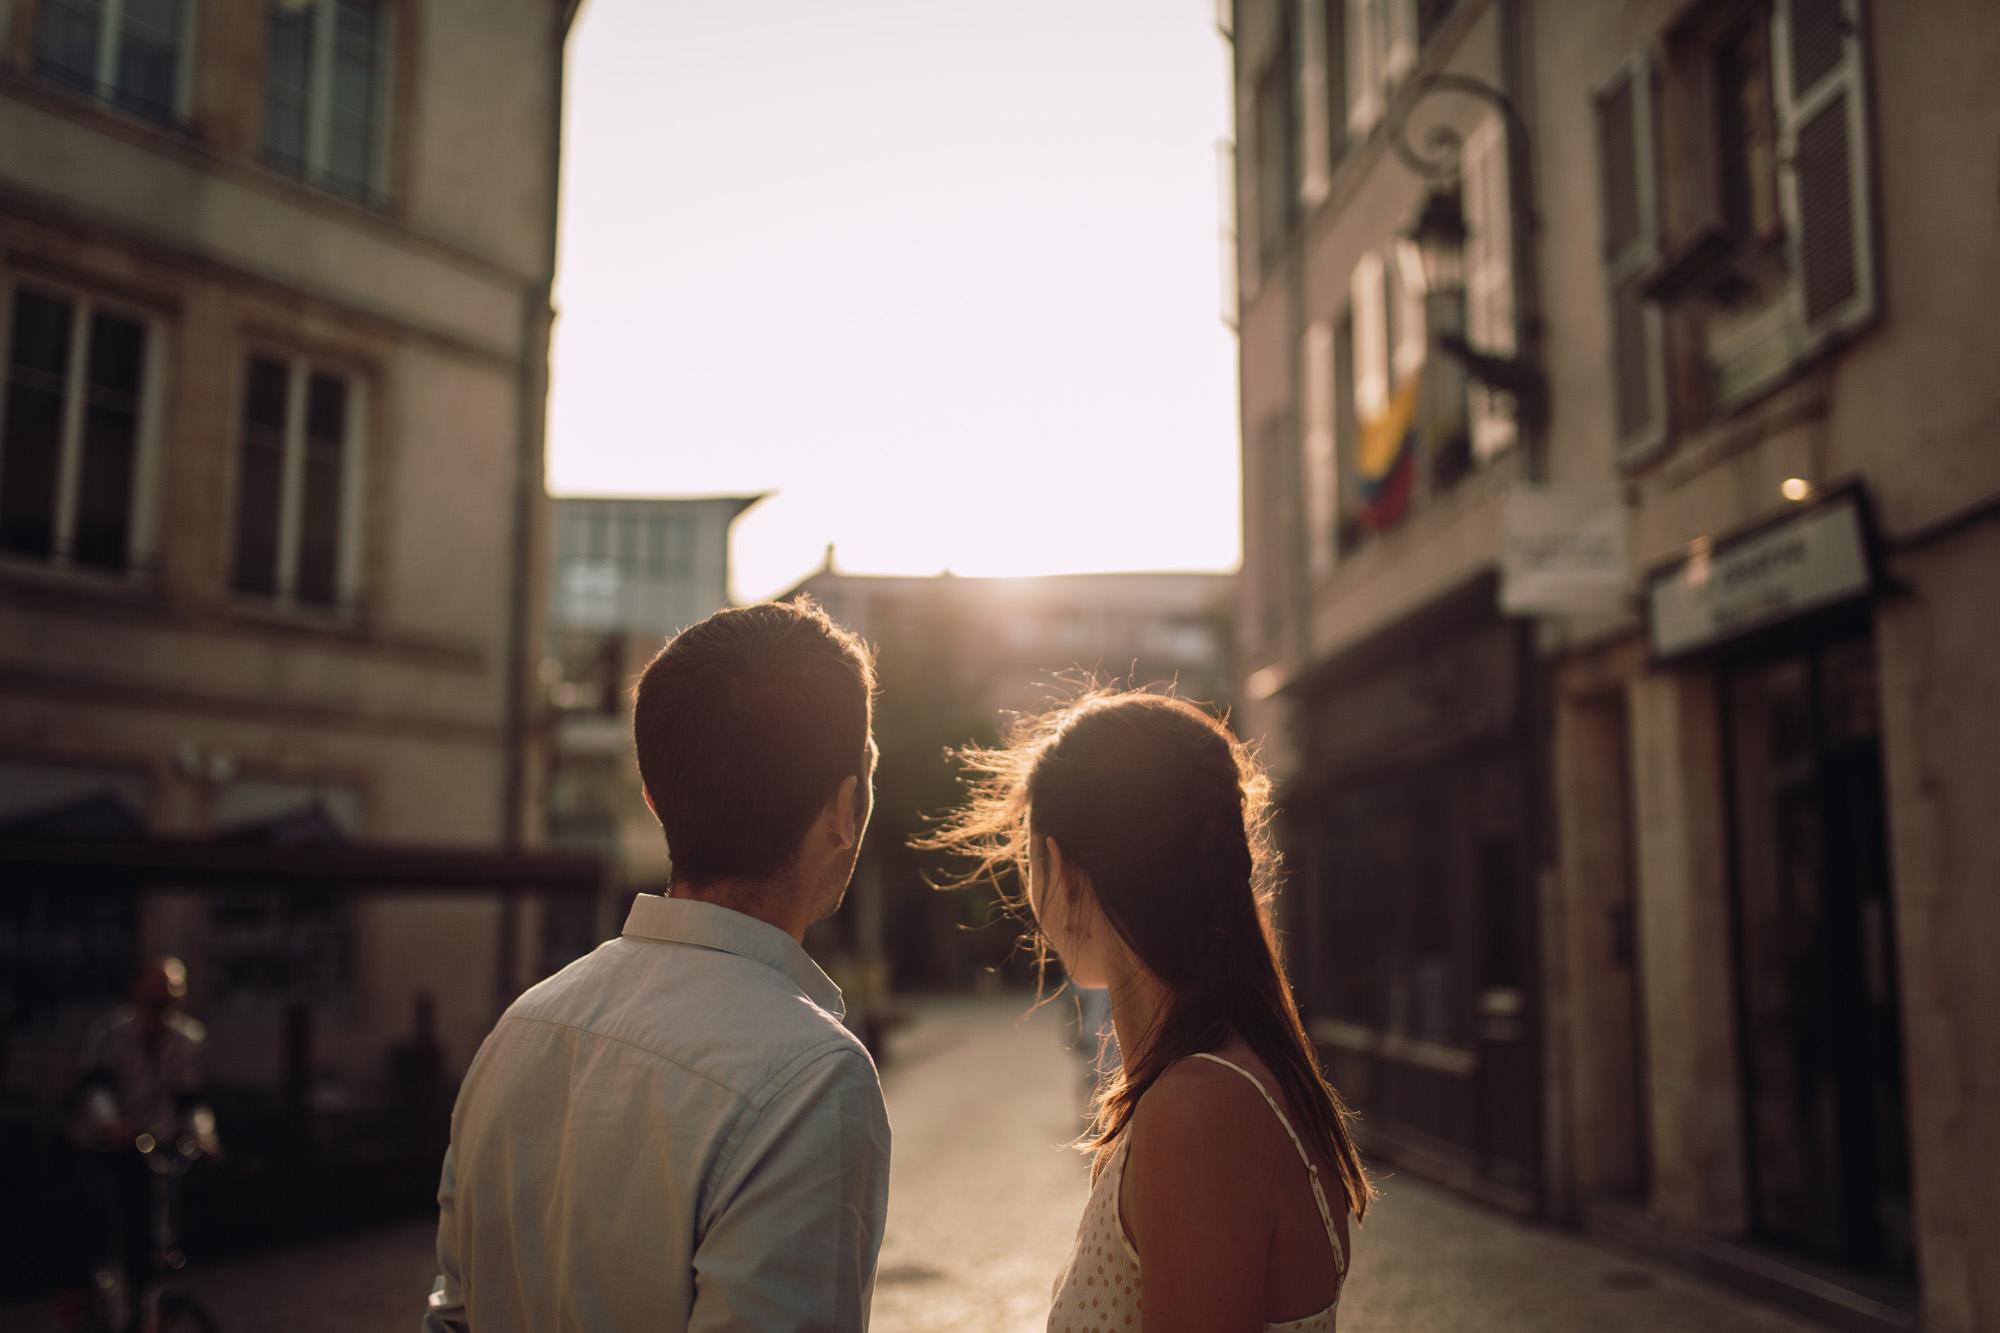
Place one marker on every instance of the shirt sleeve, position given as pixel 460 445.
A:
pixel 795 1223
pixel 445 1311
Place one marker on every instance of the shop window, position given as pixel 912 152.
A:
pixel 77 430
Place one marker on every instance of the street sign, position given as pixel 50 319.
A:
pixel 1564 552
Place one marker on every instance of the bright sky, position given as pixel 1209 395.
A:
pixel 942 274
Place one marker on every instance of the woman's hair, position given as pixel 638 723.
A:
pixel 1167 815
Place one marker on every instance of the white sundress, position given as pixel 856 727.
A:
pixel 1098 1291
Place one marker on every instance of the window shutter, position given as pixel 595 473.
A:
pixel 1627 182
pixel 1823 147
pixel 1321 478
pixel 1489 279
pixel 1314 156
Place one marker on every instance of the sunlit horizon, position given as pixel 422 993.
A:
pixel 940 282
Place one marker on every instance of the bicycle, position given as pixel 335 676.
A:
pixel 159 1308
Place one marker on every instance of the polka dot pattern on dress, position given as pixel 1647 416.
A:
pixel 1099 1290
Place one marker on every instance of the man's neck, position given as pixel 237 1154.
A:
pixel 773 903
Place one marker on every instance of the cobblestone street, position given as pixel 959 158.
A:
pixel 983 1199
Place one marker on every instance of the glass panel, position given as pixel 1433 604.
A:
pixel 66 37
pixel 260 479
pixel 31 432
pixel 287 66
pixel 110 442
pixel 319 500
pixel 149 57
pixel 1789 1049
pixel 352 98
pixel 347 155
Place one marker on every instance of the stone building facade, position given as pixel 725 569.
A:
pixel 274 318
pixel 1753 802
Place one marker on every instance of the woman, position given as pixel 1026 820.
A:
pixel 1224 1173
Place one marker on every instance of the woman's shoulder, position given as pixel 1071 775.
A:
pixel 1202 1106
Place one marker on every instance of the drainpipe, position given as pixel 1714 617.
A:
pixel 1544 887
pixel 529 495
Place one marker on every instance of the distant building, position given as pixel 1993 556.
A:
pixel 958 657
pixel 1004 639
pixel 274 324
pixel 1654 916
pixel 628 572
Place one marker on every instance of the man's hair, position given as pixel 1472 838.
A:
pixel 746 723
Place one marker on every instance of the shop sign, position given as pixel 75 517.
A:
pixel 1564 553
pixel 1808 562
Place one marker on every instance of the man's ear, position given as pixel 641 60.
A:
pixel 847 812
pixel 649 802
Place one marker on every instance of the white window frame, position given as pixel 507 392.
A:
pixel 1367 100
pixel 143 511
pixel 110 28
pixel 319 94
pixel 1381 51
pixel 1320 468
pixel 299 370
pixel 1850 77
pixel 1490 313
pixel 1641 254
pixel 1312 143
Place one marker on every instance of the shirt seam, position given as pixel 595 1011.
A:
pixel 776 1084
pixel 629 1044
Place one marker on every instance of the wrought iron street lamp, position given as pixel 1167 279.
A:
pixel 1434 246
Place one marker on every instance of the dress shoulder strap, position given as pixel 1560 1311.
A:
pixel 1312 1167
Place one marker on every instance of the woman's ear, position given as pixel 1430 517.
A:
pixel 1054 862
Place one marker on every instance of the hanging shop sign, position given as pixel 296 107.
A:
pixel 1812 560
pixel 1564 553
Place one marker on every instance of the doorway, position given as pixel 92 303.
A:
pixel 1818 1000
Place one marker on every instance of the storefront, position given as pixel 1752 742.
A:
pixel 1412 830
pixel 1783 616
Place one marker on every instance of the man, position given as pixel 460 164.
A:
pixel 141 1083
pixel 142 1066
pixel 676 1132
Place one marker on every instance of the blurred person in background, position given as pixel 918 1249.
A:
pixel 676 1131
pixel 140 1085
pixel 1224 1173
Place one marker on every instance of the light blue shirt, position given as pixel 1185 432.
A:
pixel 674 1132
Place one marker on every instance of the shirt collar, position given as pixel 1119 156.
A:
pixel 711 926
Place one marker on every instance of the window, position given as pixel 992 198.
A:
pixel 1489 280
pixel 1322 473
pixel 1771 254
pixel 130 53
pixel 1315 155
pixel 1381 49
pixel 1631 248
pixel 1822 135
pixel 76 431
pixel 298 485
pixel 1277 156
pixel 326 94
pixel 1333 62
pixel 1746 132
pixel 1279 530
